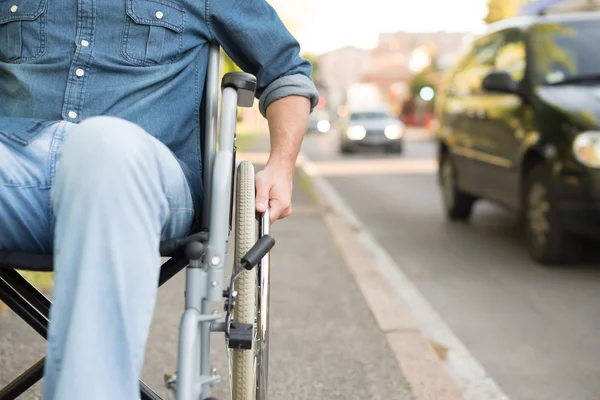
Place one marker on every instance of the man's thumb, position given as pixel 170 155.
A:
pixel 262 196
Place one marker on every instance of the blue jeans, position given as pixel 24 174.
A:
pixel 101 195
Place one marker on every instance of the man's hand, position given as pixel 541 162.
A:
pixel 274 190
pixel 288 119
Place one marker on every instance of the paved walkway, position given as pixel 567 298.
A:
pixel 325 342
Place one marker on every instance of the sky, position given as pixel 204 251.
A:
pixel 323 25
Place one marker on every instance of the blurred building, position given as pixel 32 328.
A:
pixel 390 65
pixel 398 56
pixel 338 69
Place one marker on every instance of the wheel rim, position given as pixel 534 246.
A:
pixel 538 209
pixel 448 184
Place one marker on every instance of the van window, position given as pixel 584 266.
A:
pixel 470 72
pixel 567 50
pixel 512 56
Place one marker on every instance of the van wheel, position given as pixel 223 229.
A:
pixel 457 204
pixel 547 242
pixel 345 149
pixel 394 148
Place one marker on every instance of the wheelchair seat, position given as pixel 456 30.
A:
pixel 25 262
pixel 43 262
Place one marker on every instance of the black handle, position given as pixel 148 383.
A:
pixel 258 251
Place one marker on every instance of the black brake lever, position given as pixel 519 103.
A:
pixel 249 261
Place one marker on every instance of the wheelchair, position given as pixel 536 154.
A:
pixel 228 205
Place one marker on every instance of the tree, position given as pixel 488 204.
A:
pixel 426 77
pixel 501 9
pixel 315 65
pixel 228 64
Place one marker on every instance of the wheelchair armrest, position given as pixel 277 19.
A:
pixel 169 247
pixel 244 83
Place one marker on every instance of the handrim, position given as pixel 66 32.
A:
pixel 264 278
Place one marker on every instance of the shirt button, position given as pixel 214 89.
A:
pixel 72 114
pixel 159 15
pixel 14 9
pixel 79 72
pixel 85 43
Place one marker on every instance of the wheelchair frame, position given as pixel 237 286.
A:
pixel 204 253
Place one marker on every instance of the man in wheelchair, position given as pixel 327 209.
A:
pixel 100 157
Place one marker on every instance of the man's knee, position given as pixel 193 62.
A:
pixel 106 154
pixel 105 142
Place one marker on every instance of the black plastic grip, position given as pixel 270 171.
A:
pixel 240 81
pixel 195 250
pixel 258 251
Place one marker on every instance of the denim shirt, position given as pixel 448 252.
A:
pixel 141 60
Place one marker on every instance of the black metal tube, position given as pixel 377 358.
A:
pixel 27 291
pixel 146 392
pixel 22 383
pixel 23 309
pixel 172 267
pixel 36 372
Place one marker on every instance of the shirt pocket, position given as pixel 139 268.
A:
pixel 153 32
pixel 22 30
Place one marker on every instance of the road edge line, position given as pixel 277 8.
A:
pixel 402 313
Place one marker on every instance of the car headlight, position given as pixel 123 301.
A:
pixel 392 132
pixel 586 148
pixel 356 132
pixel 323 126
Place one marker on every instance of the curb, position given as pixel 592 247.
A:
pixel 417 358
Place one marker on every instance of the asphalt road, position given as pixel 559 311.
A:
pixel 534 329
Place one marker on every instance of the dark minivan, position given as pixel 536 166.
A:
pixel 520 126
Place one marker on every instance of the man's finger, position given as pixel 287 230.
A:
pixel 286 213
pixel 276 208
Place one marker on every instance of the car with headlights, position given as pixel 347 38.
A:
pixel 519 124
pixel 371 127
pixel 319 121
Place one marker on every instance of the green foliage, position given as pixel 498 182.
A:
pixel 315 64
pixel 501 9
pixel 424 78
pixel 228 64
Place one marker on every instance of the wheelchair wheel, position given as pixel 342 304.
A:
pixel 243 362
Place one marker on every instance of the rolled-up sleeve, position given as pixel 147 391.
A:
pixel 253 35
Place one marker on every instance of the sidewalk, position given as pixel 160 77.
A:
pixel 328 340
pixel 418 362
pixel 325 343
